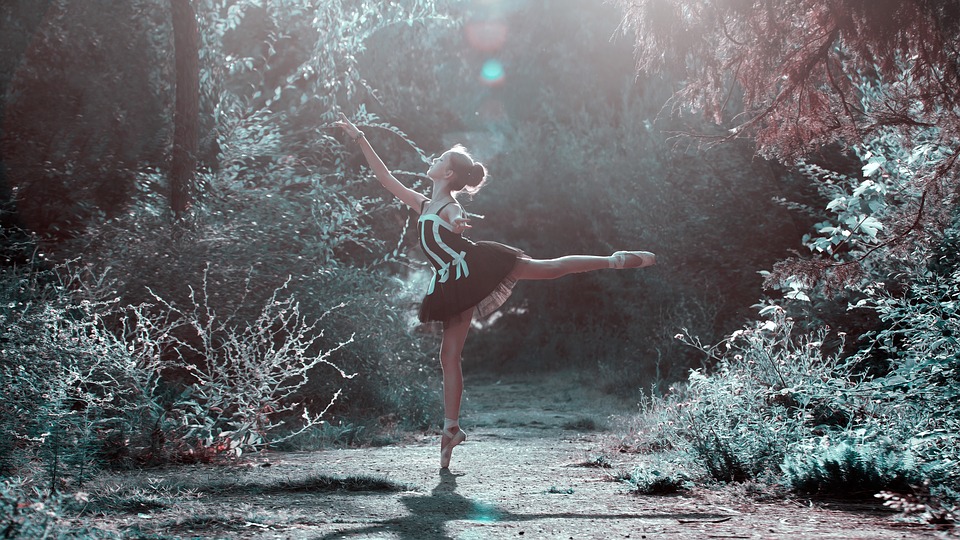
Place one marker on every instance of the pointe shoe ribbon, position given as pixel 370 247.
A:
pixel 447 450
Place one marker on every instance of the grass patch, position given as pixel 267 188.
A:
pixel 189 524
pixel 135 504
pixel 145 497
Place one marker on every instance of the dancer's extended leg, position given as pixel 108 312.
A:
pixel 573 264
pixel 454 336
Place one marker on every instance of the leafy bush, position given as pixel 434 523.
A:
pixel 242 378
pixel 920 384
pixel 75 394
pixel 252 240
pixel 94 383
pixel 664 478
pixel 849 469
pixel 26 513
pixel 770 389
pixel 777 406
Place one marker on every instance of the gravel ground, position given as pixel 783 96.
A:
pixel 520 474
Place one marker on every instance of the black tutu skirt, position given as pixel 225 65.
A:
pixel 486 288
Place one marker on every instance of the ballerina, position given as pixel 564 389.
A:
pixel 469 278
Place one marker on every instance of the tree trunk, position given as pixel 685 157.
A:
pixel 186 44
pixel 17 40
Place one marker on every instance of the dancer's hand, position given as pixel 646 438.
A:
pixel 348 127
pixel 461 224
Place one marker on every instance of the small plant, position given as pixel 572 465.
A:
pixel 598 462
pixel 76 393
pixel 26 513
pixel 848 469
pixel 666 479
pixel 243 379
pixel 922 504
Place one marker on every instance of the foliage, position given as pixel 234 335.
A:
pixel 81 109
pixel 25 513
pixel 579 164
pixel 868 214
pixel 242 378
pixel 804 402
pixel 93 383
pixel 75 396
pixel 778 406
pixel 918 342
pixel 770 390
pixel 253 240
pixel 849 469
pixel 797 65
pixel 278 201
pixel 662 478
pixel 810 74
pixel 284 198
pixel 296 64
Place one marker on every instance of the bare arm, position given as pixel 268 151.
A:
pixel 458 217
pixel 406 195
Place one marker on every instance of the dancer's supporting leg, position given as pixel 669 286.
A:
pixel 573 264
pixel 451 347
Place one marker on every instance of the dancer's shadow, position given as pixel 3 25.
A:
pixel 430 513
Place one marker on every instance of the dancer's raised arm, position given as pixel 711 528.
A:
pixel 406 195
pixel 469 277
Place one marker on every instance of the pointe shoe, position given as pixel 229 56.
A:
pixel 633 259
pixel 447 450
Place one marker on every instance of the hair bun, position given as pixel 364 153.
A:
pixel 476 174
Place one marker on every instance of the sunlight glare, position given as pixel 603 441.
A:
pixel 486 36
pixel 492 73
pixel 484 512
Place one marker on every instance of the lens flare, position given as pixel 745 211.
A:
pixel 483 512
pixel 492 72
pixel 486 36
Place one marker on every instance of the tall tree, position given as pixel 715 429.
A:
pixel 813 72
pixel 186 43
pixel 18 22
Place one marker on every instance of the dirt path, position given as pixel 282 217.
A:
pixel 519 475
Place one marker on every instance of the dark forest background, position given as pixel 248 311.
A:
pixel 196 264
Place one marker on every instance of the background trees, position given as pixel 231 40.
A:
pixel 868 312
pixel 573 140
pixel 810 76
pixel 580 163
pixel 186 129
pixel 583 156
pixel 274 240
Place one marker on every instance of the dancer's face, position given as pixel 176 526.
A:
pixel 440 168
